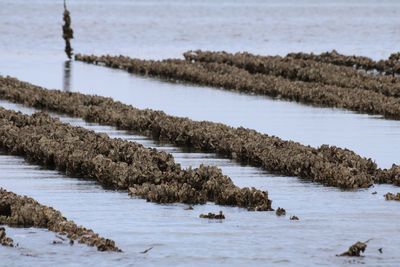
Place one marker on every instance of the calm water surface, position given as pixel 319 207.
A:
pixel 31 49
pixel 330 219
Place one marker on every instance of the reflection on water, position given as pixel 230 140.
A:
pixel 67 75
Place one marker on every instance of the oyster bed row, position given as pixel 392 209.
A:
pixel 301 69
pixel 328 165
pixel 23 211
pixel 120 164
pixel 230 77
pixel 388 66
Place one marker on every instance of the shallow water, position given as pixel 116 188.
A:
pixel 31 49
pixel 330 219
pixel 369 136
pixel 166 28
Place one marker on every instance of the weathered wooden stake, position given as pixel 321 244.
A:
pixel 68 33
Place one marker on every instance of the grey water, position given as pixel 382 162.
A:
pixel 330 219
pixel 31 49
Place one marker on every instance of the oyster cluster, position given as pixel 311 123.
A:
pixel 355 250
pixel 301 70
pixel 391 196
pixel 22 211
pixel 120 164
pixel 389 176
pixel 4 239
pixel 230 77
pixel 328 165
pixel 280 211
pixel 388 66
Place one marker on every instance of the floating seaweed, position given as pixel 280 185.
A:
pixel 22 211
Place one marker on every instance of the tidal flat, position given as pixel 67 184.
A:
pixel 360 140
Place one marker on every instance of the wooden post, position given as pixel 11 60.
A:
pixel 68 33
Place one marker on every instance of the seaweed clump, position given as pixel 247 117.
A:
pixel 26 212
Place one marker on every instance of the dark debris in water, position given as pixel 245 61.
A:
pixel 146 250
pixel 280 212
pixel 213 216
pixel 355 250
pixel 4 239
